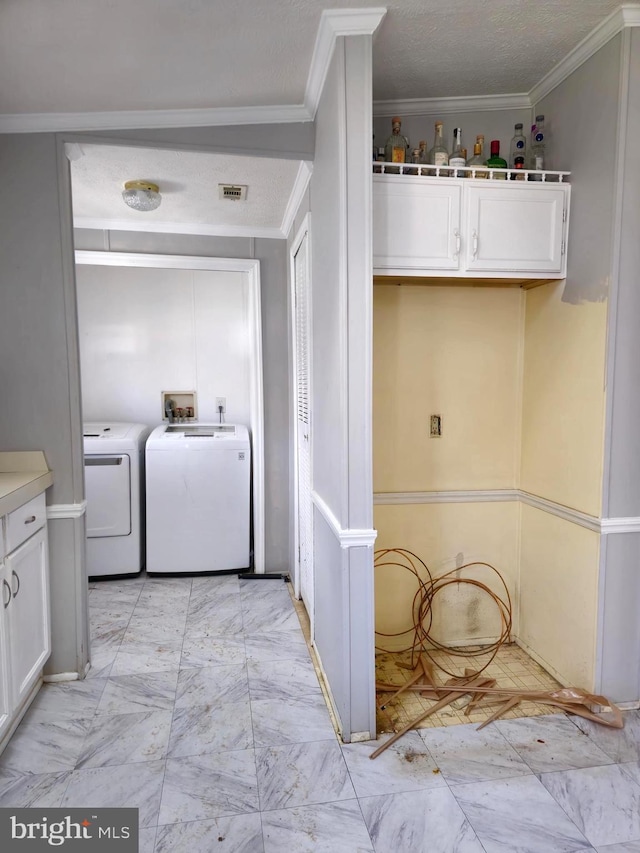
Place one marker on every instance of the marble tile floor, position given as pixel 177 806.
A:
pixel 203 710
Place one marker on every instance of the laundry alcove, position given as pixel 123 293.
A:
pixel 148 323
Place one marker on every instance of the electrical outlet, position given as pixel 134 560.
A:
pixel 435 426
pixel 221 401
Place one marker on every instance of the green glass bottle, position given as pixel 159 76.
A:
pixel 496 162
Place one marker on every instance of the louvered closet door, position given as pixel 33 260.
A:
pixel 303 410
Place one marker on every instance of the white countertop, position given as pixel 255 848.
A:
pixel 23 476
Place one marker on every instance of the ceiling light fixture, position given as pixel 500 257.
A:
pixel 141 195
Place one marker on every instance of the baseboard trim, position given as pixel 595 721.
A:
pixel 60 676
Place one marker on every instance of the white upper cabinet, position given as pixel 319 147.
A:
pixel 416 224
pixel 461 227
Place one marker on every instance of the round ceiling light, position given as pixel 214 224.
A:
pixel 141 195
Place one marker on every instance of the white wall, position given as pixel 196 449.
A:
pixel 144 331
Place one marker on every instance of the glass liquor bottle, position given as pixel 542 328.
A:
pixel 457 158
pixel 536 160
pixel 518 147
pixel 496 162
pixel 397 146
pixel 438 155
pixel 477 160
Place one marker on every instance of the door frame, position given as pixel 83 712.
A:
pixel 303 231
pixel 256 396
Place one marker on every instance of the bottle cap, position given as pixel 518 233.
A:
pixel 495 147
pixel 540 118
pixel 438 124
pixel 480 137
pixel 519 126
pixel 396 120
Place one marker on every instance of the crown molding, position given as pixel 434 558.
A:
pixel 627 15
pixel 444 106
pixel 145 119
pixel 271 233
pixel 335 23
pixel 300 185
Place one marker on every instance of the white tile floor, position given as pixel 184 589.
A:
pixel 204 712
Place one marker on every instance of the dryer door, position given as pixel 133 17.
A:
pixel 108 491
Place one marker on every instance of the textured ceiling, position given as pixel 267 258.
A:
pixel 102 55
pixel 188 184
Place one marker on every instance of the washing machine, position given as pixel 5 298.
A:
pixel 114 489
pixel 198 486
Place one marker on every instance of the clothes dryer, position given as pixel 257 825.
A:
pixel 114 489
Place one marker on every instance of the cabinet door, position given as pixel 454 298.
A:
pixel 28 613
pixel 515 228
pixel 416 223
pixel 5 698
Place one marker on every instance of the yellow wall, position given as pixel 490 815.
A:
pixel 559 593
pixel 518 378
pixel 453 351
pixel 440 533
pixel 563 399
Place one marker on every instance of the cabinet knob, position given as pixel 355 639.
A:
pixel 17 589
pixel 6 586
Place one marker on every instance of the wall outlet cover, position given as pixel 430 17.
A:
pixel 435 426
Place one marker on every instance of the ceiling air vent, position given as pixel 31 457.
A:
pixel 234 192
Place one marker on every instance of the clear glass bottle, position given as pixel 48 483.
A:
pixel 397 146
pixel 536 160
pixel 423 150
pixel 518 147
pixel 438 155
pixel 457 158
pixel 415 159
pixel 477 160
pixel 496 162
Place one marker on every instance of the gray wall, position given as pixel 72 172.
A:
pixel 580 113
pixel 272 255
pixel 494 124
pixel 601 101
pixel 620 584
pixel 623 485
pixel 286 141
pixel 39 368
pixel 341 293
pixel 39 362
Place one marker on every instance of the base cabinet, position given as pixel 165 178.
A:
pixel 25 631
pixel 28 614
pixel 6 706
